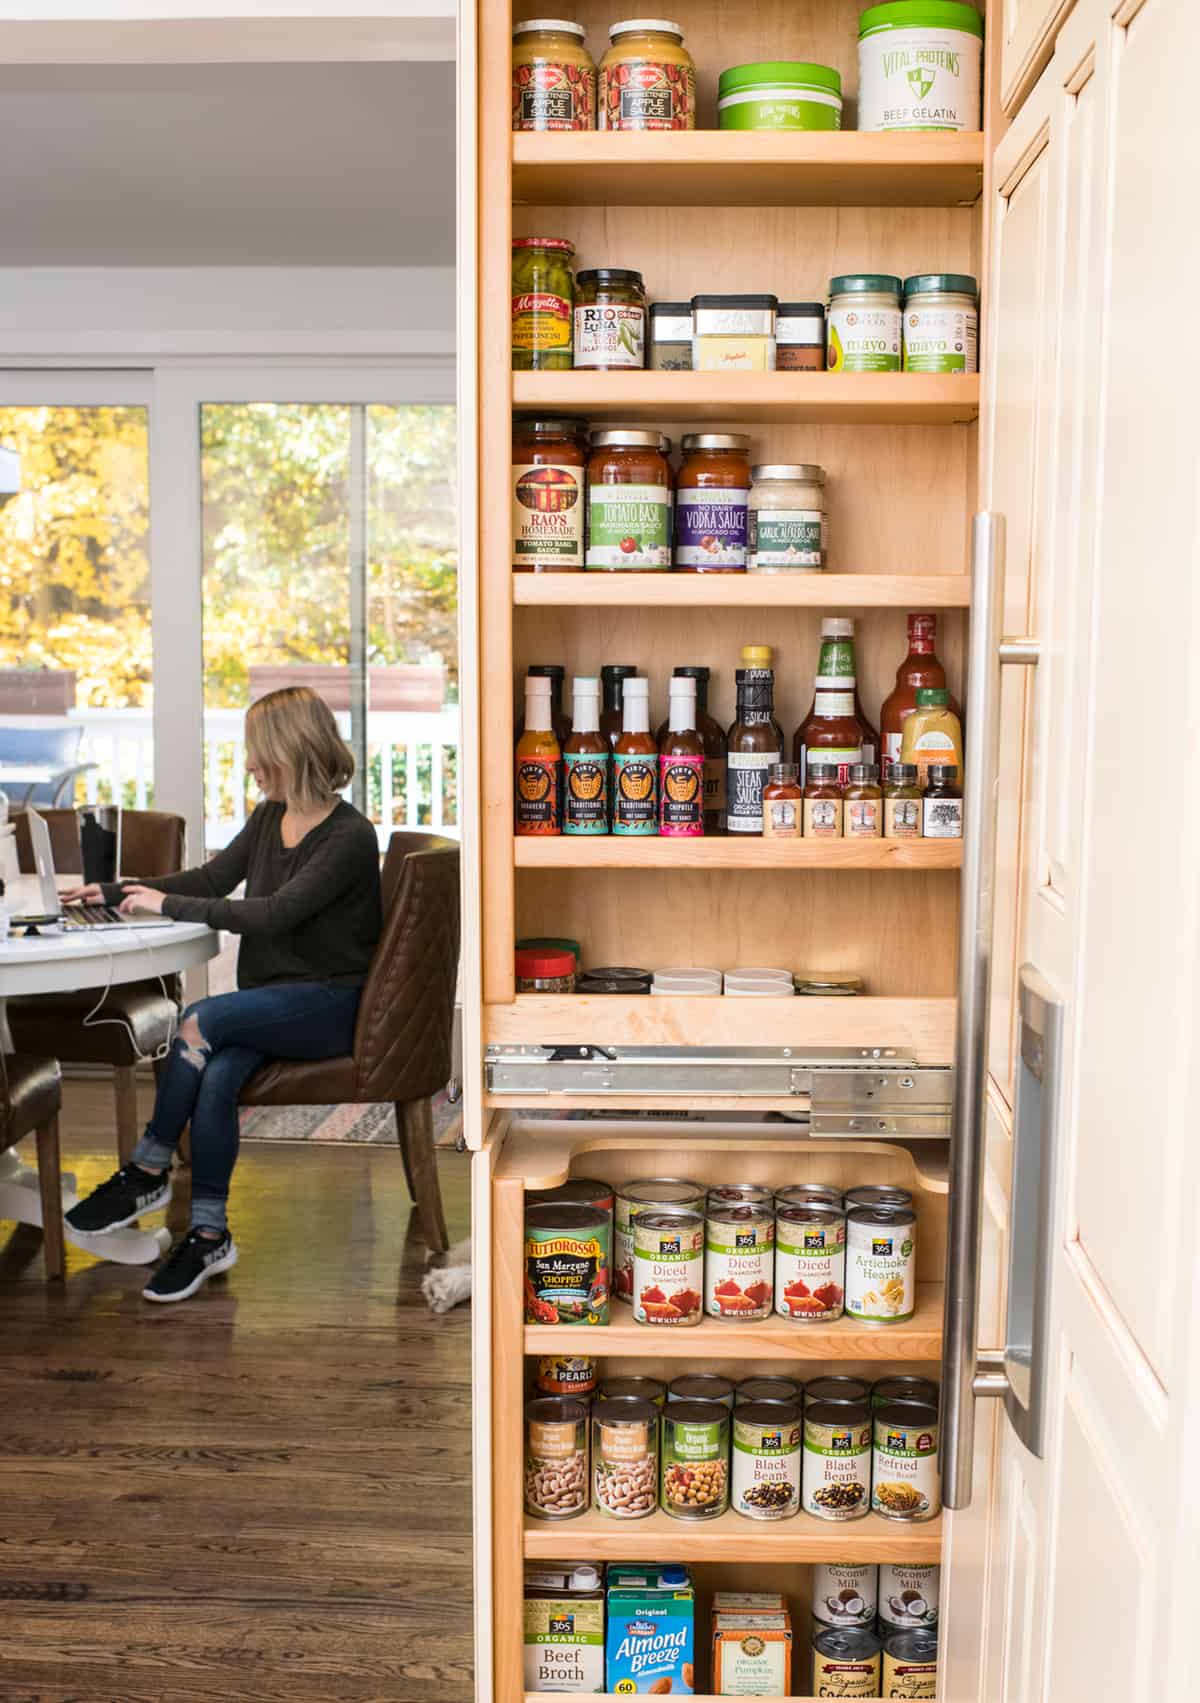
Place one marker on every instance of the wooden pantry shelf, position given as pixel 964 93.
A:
pixel 696 1697
pixel 865 399
pixel 920 1338
pixel 741 591
pixel 727 851
pixel 595 1536
pixel 725 168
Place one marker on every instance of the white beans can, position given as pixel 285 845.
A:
pixel 644 1195
pixel 845 1593
pixel 625 1458
pixel 810 1263
pixel 766 1460
pixel 905 1482
pixel 739 1261
pixel 881 1264
pixel 668 1268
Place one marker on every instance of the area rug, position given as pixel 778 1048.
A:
pixel 372 1124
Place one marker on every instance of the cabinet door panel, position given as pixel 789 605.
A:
pixel 1030 27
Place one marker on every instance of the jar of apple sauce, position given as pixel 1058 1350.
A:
pixel 549 462
pixel 647 78
pixel 628 502
pixel 711 503
pixel 553 77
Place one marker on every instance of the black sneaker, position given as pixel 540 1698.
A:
pixel 189 1264
pixel 124 1197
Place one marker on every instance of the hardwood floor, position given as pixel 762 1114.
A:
pixel 261 1495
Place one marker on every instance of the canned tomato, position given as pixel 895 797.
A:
pixel 625 1458
pixel 642 1389
pixel 766 1460
pixel 837 1461
pixel 878 1194
pixel 908 1595
pixel 808 1194
pixel 838 1389
pixel 810 1262
pixel 766 1389
pixel 905 1481
pixel 910 1664
pixel 738 1194
pixel 695 1460
pixel 904 1388
pixel 668 1268
pixel 663 1193
pixel 566 1375
pixel 881 1264
pixel 579 1191
pixel 846 1663
pixel 845 1593
pixel 566 1265
pixel 556 1458
pixel 739 1261
pixel 701 1386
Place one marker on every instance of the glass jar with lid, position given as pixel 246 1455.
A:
pixel 941 323
pixel 669 349
pixel 543 296
pixel 864 323
pixel 549 462
pixel 800 337
pixel 647 78
pixel 628 502
pixel 712 493
pixel 787 519
pixel 553 77
pixel 610 319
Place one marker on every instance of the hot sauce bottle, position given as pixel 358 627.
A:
pixel 920 668
pixel 612 717
pixel 586 762
pixel 635 765
pixel 537 765
pixel 681 765
pixel 713 735
pixel 560 721
pixel 755 746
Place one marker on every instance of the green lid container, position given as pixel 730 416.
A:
pixel 918 14
pixel 949 283
pixel 930 696
pixel 780 94
pixel 865 284
pixel 550 943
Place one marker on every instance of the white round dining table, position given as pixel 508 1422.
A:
pixel 60 962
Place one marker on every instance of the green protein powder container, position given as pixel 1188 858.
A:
pixel 780 94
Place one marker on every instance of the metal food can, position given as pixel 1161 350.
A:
pixel 910 1664
pixel 566 1375
pixel 808 1194
pixel 556 1458
pixel 810 1263
pixel 579 1191
pixel 766 1460
pixel 838 1389
pixel 701 1386
pixel 766 1389
pixel 908 1595
pixel 845 1593
pixel 695 1460
pixel 878 1194
pixel 640 1389
pixel 739 1261
pixel 837 1461
pixel 738 1194
pixel 625 1458
pixel 668 1268
pixel 904 1388
pixel 646 1195
pixel 905 1480
pixel 846 1662
pixel 566 1265
pixel 881 1264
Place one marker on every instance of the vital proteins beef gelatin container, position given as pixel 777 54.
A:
pixel 780 94
pixel 919 66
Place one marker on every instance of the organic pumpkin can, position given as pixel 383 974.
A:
pixel 566 1264
pixel 668 1268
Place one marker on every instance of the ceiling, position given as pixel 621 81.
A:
pixel 227 165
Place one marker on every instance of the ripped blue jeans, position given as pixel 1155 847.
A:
pixel 201 1084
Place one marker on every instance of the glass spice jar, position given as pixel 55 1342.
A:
pixel 543 295
pixel 902 803
pixel 545 972
pixel 942 804
pixel 670 337
pixel 610 319
pixel 647 78
pixel 863 803
pixel 711 497
pixel 553 77
pixel 549 461
pixel 628 502
pixel 800 337
pixel 786 519
pixel 822 803
pixel 783 804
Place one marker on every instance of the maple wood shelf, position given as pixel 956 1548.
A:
pixel 865 399
pixel 598 590
pixel 728 851
pixel 595 1536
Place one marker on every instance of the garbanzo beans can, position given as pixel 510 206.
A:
pixel 695 1460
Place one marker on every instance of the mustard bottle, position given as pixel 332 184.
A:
pixel 932 733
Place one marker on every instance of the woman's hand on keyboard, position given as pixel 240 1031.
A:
pixel 141 899
pixel 92 894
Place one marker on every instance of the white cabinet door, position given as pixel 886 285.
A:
pixel 1029 28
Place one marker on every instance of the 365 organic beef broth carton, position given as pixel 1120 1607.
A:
pixel 651 1631
pixel 564 1628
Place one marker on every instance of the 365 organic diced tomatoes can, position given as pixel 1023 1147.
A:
pixel 668 1268
pixel 810 1263
pixel 739 1261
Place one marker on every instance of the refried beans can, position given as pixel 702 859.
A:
pixel 644 1195
pixel 846 1662
pixel 566 1375
pixel 810 1262
pixel 566 1265
pixel 668 1268
pixel 739 1261
pixel 837 1462
pixel 905 1480
pixel 766 1460
pixel 910 1664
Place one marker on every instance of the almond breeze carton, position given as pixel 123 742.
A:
pixel 651 1631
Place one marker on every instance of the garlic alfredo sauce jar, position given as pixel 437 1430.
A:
pixel 919 66
pixel 786 533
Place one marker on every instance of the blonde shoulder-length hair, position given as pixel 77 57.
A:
pixel 291 734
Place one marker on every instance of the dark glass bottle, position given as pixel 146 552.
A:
pixel 755 746
pixel 713 736
pixel 560 721
pixel 612 716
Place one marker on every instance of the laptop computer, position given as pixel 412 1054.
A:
pixel 74 916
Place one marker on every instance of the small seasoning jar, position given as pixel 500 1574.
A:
pixel 823 805
pixel 556 1457
pixel 941 323
pixel 553 77
pixel 712 496
pixel 647 78
pixel 787 525
pixel 863 800
pixel 543 297
pixel 628 502
pixel 732 334
pixel 902 804
pixel 942 804
pixel 545 972
pixel 800 337
pixel 864 323
pixel 549 458
pixel 783 804
pixel 670 340
pixel 610 320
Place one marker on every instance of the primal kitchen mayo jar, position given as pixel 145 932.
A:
pixel 919 66
pixel 941 323
pixel 864 323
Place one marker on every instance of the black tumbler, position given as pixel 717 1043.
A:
pixel 100 840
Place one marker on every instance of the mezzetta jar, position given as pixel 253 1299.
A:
pixel 787 519
pixel 647 78
pixel 553 77
pixel 628 502
pixel 610 319
pixel 543 294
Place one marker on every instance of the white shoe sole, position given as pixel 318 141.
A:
pixel 156 1205
pixel 226 1263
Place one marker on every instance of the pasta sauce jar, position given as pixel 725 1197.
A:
pixel 647 78
pixel 553 77
pixel 549 459
pixel 629 502
pixel 711 503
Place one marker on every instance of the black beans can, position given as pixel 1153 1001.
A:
pixel 837 1388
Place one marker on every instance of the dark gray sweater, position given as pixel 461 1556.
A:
pixel 311 913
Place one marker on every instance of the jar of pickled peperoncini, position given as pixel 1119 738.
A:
pixel 543 301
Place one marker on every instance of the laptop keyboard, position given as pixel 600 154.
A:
pixel 88 916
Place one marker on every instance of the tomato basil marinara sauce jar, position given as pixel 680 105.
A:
pixel 549 462
pixel 629 502
pixel 711 505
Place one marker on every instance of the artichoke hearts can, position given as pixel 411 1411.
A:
pixel 881 1264
pixel 846 1662
pixel 766 1460
pixel 739 1261
pixel 694 1460
pixel 646 1194
pixel 566 1265
pixel 668 1268
pixel 905 1480
pixel 836 1476
pixel 910 1664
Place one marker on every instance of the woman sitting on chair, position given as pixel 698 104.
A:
pixel 311 919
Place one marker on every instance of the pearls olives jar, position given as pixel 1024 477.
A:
pixel 628 502
pixel 553 77
pixel 549 461
pixel 610 320
pixel 711 503
pixel 543 298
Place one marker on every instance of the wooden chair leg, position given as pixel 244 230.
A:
pixel 49 1166
pixel 125 1088
pixel 414 1124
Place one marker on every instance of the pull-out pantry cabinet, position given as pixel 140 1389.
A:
pixel 910 460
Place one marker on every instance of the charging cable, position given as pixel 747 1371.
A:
pixel 94 1021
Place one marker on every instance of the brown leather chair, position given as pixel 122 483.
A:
pixel 402 1040
pixel 53 1023
pixel 30 1100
